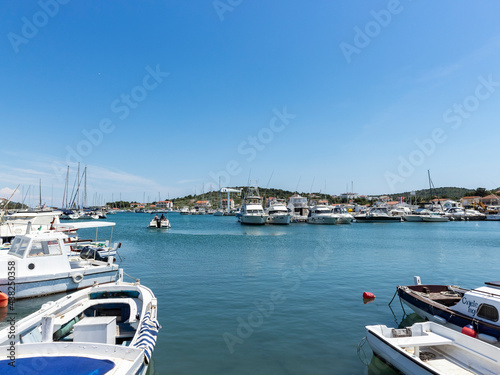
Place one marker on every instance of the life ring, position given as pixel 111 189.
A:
pixel 77 278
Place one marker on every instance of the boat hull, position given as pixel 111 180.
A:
pixel 253 219
pixel 327 220
pixel 378 219
pixel 438 311
pixel 58 283
pixel 279 219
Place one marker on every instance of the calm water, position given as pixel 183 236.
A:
pixel 288 300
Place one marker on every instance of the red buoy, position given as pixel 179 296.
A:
pixel 469 331
pixel 4 299
pixel 368 295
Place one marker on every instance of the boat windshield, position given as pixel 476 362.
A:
pixel 19 245
pixel 42 248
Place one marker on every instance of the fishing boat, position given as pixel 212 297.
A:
pixel 43 266
pixel 321 214
pixel 251 212
pixel 104 329
pixel 430 348
pixel 377 215
pixel 457 307
pixel 278 213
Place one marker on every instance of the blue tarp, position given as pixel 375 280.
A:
pixel 57 366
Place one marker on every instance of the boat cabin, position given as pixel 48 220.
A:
pixel 38 253
pixel 481 303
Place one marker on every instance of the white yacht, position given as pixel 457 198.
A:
pixel 278 213
pixel 299 209
pixel 251 210
pixel 185 211
pixel 417 215
pixel 42 266
pixel 322 214
pixel 377 215
pixel 343 217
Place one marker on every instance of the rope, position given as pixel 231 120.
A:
pixel 396 292
pixel 133 278
pixel 361 350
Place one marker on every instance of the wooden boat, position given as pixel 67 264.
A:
pixel 430 348
pixel 105 329
pixel 457 307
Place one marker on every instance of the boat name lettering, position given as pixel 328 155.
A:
pixel 471 305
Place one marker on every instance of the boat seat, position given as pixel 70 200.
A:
pixel 430 339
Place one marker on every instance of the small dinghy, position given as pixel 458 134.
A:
pixel 430 348
pixel 105 329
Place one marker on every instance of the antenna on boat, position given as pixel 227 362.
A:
pixel 297 187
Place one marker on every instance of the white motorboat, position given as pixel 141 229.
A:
pixel 343 217
pixel 321 214
pixel 185 211
pixel 456 213
pixel 251 211
pixel 377 215
pixel 435 217
pixel 430 348
pixel 12 225
pixel 219 212
pixel 42 266
pixel 278 213
pixel 159 222
pixel 417 215
pixel 104 329
pixel 299 208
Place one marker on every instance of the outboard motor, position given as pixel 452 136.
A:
pixel 92 253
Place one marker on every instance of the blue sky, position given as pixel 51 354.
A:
pixel 172 94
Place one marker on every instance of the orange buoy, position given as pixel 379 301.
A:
pixel 368 295
pixel 469 331
pixel 4 300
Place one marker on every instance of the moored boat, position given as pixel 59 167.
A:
pixel 430 348
pixel 251 211
pixel 278 213
pixel 457 307
pixel 104 329
pixel 322 214
pixel 377 215
pixel 42 266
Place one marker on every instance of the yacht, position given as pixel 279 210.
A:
pixel 377 215
pixel 343 216
pixel 299 209
pixel 278 213
pixel 185 211
pixel 251 209
pixel 418 215
pixel 322 214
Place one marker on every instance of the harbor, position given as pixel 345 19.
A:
pixel 236 298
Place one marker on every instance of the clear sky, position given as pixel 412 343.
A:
pixel 166 96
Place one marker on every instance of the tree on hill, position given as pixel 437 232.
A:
pixel 481 192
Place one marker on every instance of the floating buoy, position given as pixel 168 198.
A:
pixel 368 295
pixel 469 331
pixel 4 300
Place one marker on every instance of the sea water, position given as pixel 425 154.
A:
pixel 236 299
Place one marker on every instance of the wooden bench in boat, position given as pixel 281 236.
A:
pixel 415 342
